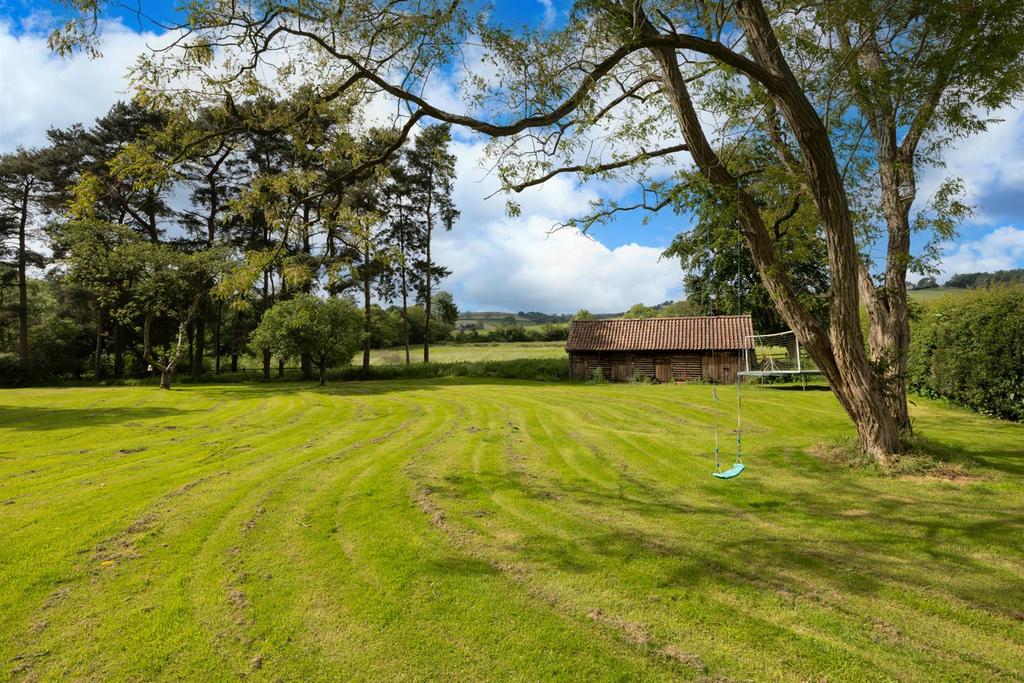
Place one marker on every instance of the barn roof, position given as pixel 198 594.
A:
pixel 703 333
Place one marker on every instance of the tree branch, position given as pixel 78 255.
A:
pixel 600 168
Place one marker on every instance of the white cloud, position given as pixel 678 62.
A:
pixel 550 14
pixel 990 163
pixel 501 263
pixel 41 90
pixel 521 265
pixel 1001 249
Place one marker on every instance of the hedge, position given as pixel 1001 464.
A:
pixel 970 349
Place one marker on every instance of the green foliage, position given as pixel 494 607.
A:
pixel 676 309
pixel 15 374
pixel 999 277
pixel 583 314
pixel 514 332
pixel 640 311
pixel 968 349
pixel 445 309
pixel 329 330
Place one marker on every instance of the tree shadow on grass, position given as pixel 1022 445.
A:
pixel 355 388
pixel 39 418
pixel 795 387
pixel 844 538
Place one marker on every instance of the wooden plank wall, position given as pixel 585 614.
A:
pixel 721 366
pixel 621 367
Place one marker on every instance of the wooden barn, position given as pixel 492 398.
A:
pixel 664 349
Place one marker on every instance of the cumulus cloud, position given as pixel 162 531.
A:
pixel 502 263
pixel 1001 249
pixel 991 165
pixel 41 90
pixel 521 265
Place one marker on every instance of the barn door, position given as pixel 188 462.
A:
pixel 663 369
pixel 620 370
pixel 720 367
pixel 578 368
pixel 727 369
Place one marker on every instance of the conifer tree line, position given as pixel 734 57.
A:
pixel 141 243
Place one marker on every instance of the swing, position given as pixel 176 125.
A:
pixel 738 466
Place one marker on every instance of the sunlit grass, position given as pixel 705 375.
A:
pixel 469 529
pixel 453 353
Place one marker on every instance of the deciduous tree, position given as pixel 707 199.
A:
pixel 329 330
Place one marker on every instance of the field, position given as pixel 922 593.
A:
pixel 452 353
pixel 924 296
pixel 465 529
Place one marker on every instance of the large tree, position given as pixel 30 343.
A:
pixel 20 210
pixel 327 330
pixel 636 76
pixel 431 170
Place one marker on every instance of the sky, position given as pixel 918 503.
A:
pixel 498 262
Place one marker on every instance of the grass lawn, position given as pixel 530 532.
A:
pixel 467 529
pixel 450 353
pixel 925 296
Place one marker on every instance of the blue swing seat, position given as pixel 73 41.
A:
pixel 732 472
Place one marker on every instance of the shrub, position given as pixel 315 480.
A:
pixel 969 349
pixel 14 374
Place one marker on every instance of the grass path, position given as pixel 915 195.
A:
pixel 483 529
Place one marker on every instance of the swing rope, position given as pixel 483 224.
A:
pixel 738 467
pixel 714 394
pixel 739 357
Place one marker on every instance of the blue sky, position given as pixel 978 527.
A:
pixel 498 262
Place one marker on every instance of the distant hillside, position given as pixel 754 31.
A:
pixel 490 320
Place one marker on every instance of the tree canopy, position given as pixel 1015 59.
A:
pixel 329 330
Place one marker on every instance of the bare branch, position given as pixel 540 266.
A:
pixel 599 168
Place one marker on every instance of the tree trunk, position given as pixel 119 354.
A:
pixel 367 316
pixel 322 367
pixel 191 340
pixel 216 339
pixel 266 305
pixel 97 365
pixel 23 279
pixel 427 302
pixel 840 354
pixel 200 348
pixel 306 365
pixel 119 351
pixel 405 320
pixel 266 364
pixel 888 314
pixel 171 358
pixel 280 367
